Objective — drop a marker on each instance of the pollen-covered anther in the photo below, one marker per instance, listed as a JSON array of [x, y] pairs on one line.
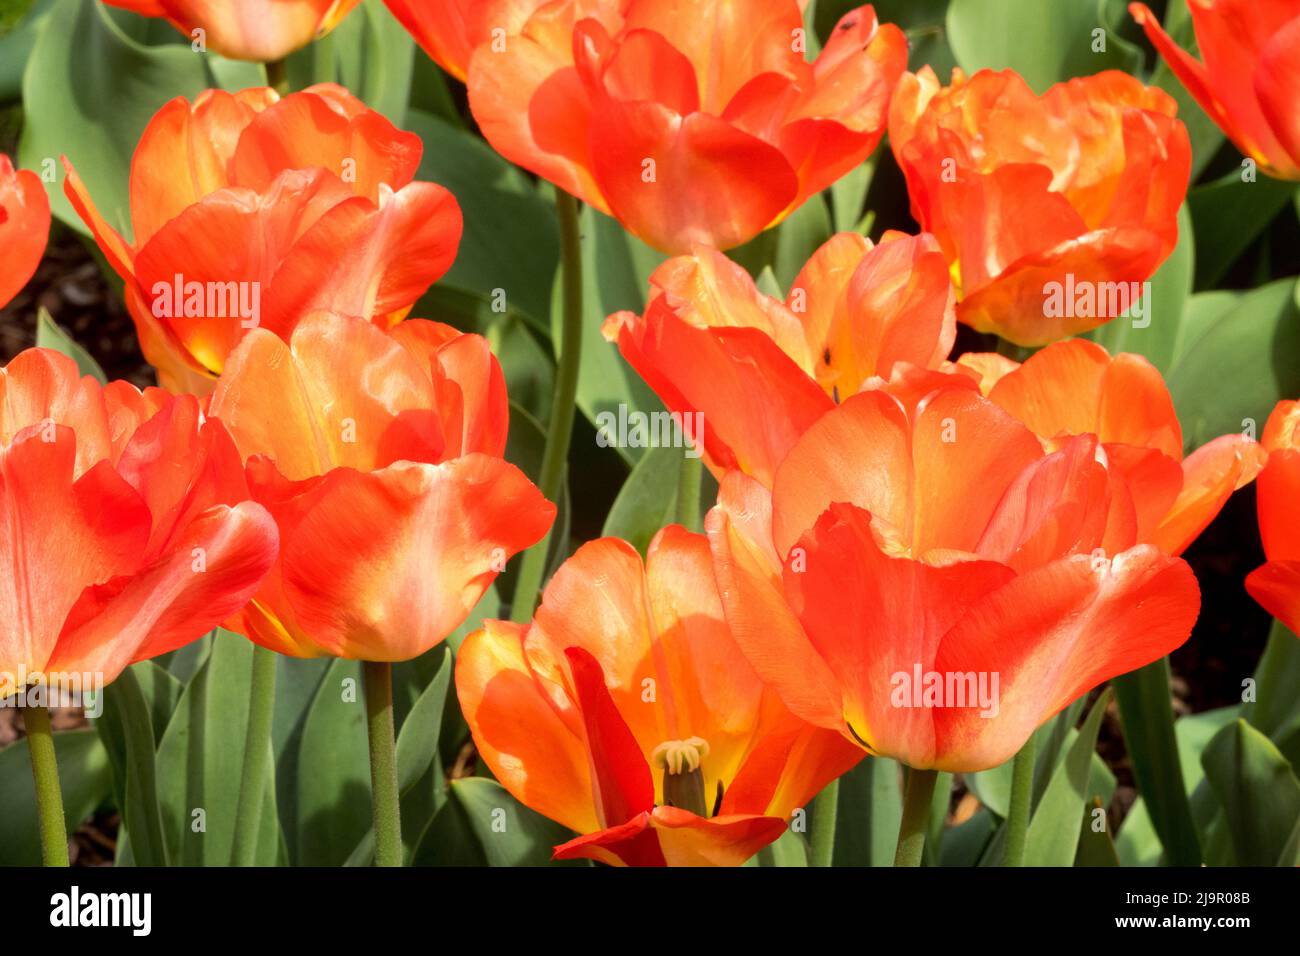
[[672, 756]]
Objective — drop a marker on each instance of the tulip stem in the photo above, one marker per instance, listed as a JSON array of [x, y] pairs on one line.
[[825, 813], [257, 758], [916, 816], [688, 493], [560, 428], [383, 763], [49, 798], [1022, 789], [277, 76]]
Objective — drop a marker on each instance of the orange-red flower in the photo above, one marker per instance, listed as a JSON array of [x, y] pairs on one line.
[[127, 529], [1033, 198], [249, 210], [626, 712], [689, 120], [450, 30], [1249, 81], [24, 227], [1276, 584], [379, 456], [1077, 388], [761, 370], [262, 30], [928, 537]]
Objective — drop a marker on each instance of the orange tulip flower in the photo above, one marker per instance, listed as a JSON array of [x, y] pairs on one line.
[[24, 227], [127, 532], [1077, 388], [262, 30], [251, 210], [925, 579], [1250, 80], [379, 455], [1052, 210], [710, 341], [1276, 584], [626, 712], [691, 122]]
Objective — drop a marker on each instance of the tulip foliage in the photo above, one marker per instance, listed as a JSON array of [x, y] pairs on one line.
[[650, 432]]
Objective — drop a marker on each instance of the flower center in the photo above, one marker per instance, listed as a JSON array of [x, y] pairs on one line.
[[680, 761]]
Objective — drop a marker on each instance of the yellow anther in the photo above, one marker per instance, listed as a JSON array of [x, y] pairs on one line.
[[673, 756]]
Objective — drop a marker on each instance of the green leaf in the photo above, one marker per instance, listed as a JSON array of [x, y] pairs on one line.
[[1138, 844], [1045, 41], [369, 53], [799, 236], [1240, 367], [85, 777], [129, 708], [334, 810], [1228, 215], [1096, 848], [200, 762], [869, 814], [1259, 793], [1054, 828], [297, 681], [1146, 713], [50, 336], [483, 825], [647, 500], [510, 248], [790, 849], [1276, 705], [417, 742], [18, 28], [90, 89], [1156, 335]]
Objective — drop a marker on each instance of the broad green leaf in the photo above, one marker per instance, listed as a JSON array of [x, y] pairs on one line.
[[1236, 371], [334, 810], [1096, 848], [417, 741], [85, 778], [870, 812], [129, 710], [369, 53], [510, 248], [1200, 312], [965, 844], [50, 336], [1276, 705], [200, 762], [1054, 828], [19, 23], [1229, 214], [297, 681], [1045, 41], [1155, 334], [1146, 713], [1258, 790], [790, 849], [647, 500], [89, 90], [1138, 844], [483, 825]]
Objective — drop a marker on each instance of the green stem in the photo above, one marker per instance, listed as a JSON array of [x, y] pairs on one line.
[[825, 812], [383, 763], [916, 817], [257, 758], [560, 428], [688, 493], [1022, 791], [49, 799], [277, 76]]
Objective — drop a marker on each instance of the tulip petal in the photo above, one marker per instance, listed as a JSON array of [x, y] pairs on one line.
[[1278, 491], [24, 227], [1276, 586], [518, 730], [1210, 475], [1277, 84]]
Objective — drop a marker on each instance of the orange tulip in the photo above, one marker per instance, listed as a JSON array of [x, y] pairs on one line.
[[1051, 210], [710, 341], [251, 210], [1276, 584], [626, 712], [24, 227], [1250, 81], [925, 579], [691, 121], [127, 532], [263, 30], [1077, 388], [379, 456]]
